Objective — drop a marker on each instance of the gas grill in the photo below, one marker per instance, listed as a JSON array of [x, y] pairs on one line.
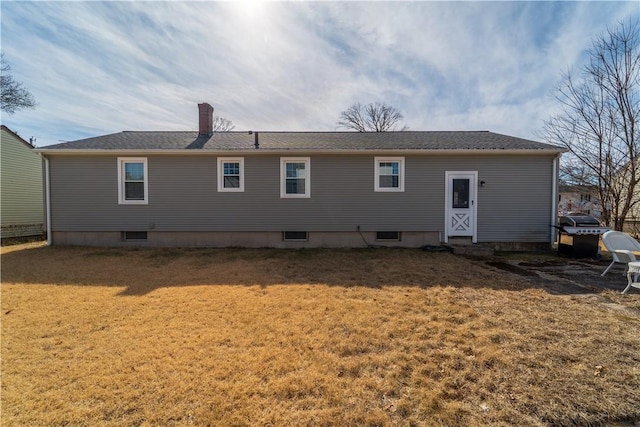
[[579, 236]]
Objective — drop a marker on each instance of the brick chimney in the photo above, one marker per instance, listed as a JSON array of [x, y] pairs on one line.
[[205, 119]]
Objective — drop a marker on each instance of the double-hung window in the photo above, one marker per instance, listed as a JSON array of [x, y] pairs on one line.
[[133, 182], [295, 177], [231, 174], [389, 174]]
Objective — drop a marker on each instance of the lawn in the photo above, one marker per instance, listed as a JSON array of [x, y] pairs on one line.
[[111, 337]]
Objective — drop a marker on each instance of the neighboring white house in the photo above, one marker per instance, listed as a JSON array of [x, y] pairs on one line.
[[21, 187], [632, 220], [579, 198]]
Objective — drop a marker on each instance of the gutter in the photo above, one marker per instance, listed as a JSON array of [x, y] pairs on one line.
[[288, 152], [554, 199], [47, 186]]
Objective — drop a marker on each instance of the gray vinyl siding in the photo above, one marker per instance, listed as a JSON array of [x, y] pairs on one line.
[[515, 204]]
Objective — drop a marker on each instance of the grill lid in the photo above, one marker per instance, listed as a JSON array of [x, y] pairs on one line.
[[579, 221]]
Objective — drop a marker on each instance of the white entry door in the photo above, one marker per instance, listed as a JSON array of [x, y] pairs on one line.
[[460, 211]]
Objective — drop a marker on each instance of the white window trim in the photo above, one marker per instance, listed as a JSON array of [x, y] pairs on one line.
[[283, 177], [221, 162], [121, 193], [376, 183]]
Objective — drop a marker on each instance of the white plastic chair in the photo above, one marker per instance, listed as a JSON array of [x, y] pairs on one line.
[[622, 248], [632, 276]]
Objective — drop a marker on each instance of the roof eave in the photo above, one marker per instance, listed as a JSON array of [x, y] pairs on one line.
[[260, 151]]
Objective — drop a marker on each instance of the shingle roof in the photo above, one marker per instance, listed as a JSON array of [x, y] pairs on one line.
[[306, 141]]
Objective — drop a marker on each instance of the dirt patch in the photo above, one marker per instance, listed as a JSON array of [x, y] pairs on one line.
[[564, 275], [511, 268], [574, 277], [542, 264], [586, 274]]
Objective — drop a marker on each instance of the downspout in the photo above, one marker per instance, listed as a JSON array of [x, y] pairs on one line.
[[47, 186], [554, 199]]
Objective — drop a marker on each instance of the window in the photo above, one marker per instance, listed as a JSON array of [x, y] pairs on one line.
[[300, 236], [138, 236], [388, 235], [295, 177], [231, 174], [461, 194], [389, 174], [132, 181]]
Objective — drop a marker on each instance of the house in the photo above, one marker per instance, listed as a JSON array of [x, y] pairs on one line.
[[623, 181], [579, 198], [21, 187], [301, 189], [632, 221]]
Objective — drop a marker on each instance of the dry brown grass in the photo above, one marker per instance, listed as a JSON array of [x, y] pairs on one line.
[[314, 337]]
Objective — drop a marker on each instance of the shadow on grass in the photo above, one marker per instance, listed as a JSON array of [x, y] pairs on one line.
[[142, 270]]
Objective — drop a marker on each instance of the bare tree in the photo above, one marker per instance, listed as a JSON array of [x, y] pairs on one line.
[[599, 121], [574, 172], [13, 95], [220, 124], [373, 117]]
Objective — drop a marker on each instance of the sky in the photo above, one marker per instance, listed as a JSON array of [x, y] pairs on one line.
[[101, 67]]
